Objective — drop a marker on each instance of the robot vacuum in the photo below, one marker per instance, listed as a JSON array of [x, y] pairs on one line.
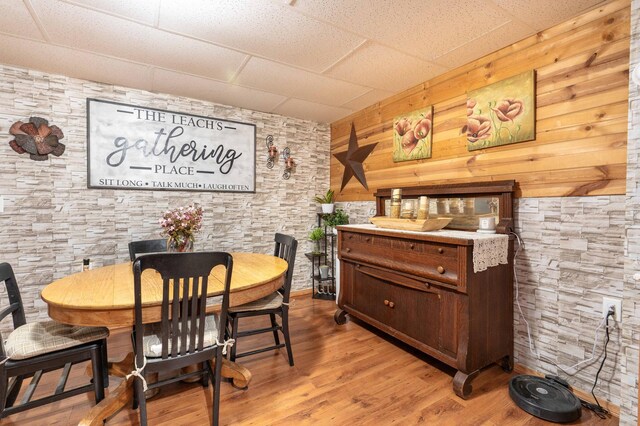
[[548, 398]]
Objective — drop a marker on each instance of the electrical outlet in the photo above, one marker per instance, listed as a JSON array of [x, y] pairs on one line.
[[617, 306]]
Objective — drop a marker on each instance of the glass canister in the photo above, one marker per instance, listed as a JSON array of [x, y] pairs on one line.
[[408, 209], [423, 207], [396, 201]]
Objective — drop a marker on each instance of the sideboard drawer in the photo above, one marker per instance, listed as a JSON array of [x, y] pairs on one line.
[[437, 261]]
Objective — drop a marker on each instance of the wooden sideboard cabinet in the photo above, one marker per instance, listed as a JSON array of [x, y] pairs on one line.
[[421, 288]]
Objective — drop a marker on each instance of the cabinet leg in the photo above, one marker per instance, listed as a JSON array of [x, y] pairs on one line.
[[462, 383], [507, 363], [340, 317]]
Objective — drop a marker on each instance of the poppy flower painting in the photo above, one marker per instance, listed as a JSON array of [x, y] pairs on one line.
[[502, 113], [412, 135]]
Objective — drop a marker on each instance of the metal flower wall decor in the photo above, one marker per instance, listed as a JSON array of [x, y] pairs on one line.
[[37, 138]]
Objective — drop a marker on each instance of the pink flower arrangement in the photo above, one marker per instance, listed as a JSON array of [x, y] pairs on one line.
[[180, 224]]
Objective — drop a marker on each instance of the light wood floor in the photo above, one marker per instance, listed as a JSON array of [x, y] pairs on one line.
[[343, 375]]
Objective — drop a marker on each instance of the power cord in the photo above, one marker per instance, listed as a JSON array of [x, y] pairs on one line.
[[524, 319], [598, 409]]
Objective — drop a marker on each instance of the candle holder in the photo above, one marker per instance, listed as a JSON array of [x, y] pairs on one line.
[[289, 163], [272, 152]]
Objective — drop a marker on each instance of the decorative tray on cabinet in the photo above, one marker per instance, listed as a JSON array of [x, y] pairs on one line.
[[420, 225]]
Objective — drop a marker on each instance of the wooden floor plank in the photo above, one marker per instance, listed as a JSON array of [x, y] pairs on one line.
[[343, 375]]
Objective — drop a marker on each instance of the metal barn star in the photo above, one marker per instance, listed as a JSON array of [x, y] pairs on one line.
[[352, 160]]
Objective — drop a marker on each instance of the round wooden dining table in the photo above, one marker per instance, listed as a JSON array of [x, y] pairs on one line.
[[105, 297]]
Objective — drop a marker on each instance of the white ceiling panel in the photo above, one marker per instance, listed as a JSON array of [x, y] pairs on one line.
[[484, 45], [125, 39], [313, 59], [16, 20], [414, 27], [543, 14], [311, 111], [73, 63], [145, 11], [192, 56], [166, 81], [262, 28], [395, 71], [368, 99], [273, 77]]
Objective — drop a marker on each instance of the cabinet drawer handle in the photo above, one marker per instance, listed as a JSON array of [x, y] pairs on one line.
[[412, 246], [386, 302], [347, 249], [440, 270], [440, 250], [391, 305], [367, 239]]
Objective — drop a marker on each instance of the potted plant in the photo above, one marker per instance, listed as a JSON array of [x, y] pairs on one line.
[[326, 201], [315, 236], [339, 217]]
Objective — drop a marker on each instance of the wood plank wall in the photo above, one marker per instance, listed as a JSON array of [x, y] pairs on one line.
[[582, 77]]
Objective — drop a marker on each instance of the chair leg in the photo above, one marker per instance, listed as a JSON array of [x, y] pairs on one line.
[[216, 386], [142, 402], [285, 332], [98, 372], [7, 400], [105, 363], [234, 336], [275, 331], [205, 375], [4, 384]]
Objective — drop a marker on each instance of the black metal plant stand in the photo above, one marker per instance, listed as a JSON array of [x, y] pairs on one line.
[[324, 288]]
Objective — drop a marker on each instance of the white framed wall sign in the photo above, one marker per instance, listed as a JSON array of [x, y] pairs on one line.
[[135, 147]]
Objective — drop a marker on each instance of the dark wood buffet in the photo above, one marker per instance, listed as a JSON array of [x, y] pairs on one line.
[[421, 288]]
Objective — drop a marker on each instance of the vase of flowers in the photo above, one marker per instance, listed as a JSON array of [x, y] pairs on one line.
[[179, 226]]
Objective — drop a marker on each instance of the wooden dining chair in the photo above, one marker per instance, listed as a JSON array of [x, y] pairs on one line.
[[274, 304], [137, 248], [185, 335], [33, 349]]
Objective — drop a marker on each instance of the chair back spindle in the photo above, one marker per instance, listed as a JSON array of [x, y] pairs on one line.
[[285, 248]]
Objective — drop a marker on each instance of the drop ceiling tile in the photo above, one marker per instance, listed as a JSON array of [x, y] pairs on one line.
[[543, 14], [485, 44], [93, 31], [260, 27], [368, 99], [192, 56], [292, 82], [384, 68], [15, 19], [73, 63], [311, 111], [414, 27], [214, 91], [142, 11]]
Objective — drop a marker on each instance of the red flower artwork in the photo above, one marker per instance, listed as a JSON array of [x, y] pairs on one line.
[[508, 109], [37, 138], [478, 127]]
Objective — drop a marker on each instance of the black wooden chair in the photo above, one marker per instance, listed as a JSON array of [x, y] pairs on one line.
[[34, 349], [186, 335], [275, 303], [146, 246]]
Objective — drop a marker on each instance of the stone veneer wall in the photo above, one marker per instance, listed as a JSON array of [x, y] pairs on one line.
[[52, 221], [631, 290]]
